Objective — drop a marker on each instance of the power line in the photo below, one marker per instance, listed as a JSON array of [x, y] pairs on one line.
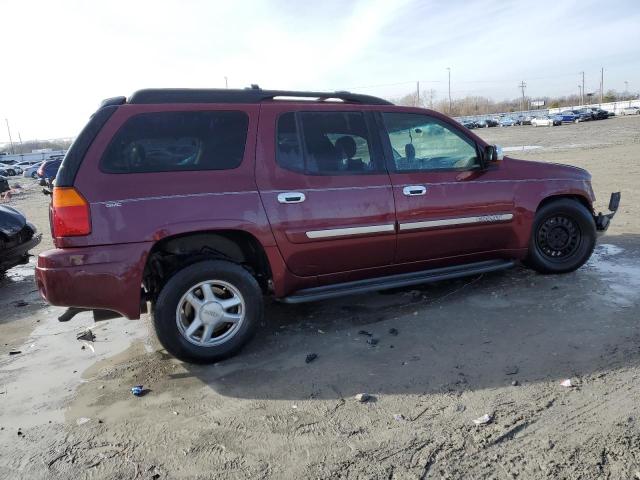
[[522, 86]]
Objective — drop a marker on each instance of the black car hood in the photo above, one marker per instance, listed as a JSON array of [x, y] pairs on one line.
[[11, 221]]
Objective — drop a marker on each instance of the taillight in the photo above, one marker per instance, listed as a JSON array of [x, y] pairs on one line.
[[70, 213], [41, 171]]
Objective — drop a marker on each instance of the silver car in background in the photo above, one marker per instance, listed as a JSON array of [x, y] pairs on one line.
[[630, 111], [546, 121]]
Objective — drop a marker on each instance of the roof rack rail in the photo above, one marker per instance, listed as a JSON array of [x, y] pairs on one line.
[[254, 94]]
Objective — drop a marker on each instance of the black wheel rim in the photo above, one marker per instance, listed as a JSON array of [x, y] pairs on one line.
[[558, 237]]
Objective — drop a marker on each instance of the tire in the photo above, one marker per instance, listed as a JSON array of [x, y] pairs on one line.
[[11, 173], [34, 174], [174, 314], [562, 238]]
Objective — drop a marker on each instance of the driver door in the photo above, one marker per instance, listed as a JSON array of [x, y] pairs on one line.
[[446, 205]]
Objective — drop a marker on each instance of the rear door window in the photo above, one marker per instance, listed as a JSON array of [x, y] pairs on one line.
[[326, 143], [178, 141]]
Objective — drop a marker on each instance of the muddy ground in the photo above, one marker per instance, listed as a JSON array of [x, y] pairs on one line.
[[497, 344]]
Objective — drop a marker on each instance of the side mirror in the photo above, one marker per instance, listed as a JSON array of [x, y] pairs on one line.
[[491, 154]]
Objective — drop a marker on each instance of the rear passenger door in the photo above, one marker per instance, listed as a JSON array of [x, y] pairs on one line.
[[325, 189]]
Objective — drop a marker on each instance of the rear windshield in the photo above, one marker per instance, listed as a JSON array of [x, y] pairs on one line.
[[178, 141]]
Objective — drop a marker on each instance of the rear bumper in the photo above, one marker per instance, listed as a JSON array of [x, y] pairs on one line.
[[103, 277], [604, 220]]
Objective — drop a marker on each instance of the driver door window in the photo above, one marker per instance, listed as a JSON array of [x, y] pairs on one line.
[[421, 143]]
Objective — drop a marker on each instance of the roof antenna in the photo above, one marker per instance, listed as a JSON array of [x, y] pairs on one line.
[[255, 86]]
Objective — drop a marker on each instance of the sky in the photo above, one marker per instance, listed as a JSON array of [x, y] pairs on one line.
[[62, 57]]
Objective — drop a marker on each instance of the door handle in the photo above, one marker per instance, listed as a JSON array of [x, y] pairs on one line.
[[414, 190], [291, 197]]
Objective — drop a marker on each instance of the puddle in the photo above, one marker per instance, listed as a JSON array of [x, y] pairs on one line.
[[521, 148], [621, 276], [31, 398]]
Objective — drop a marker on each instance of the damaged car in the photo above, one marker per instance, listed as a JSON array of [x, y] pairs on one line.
[[182, 201], [17, 237]]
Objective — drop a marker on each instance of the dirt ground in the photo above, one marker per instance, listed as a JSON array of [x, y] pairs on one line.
[[497, 344]]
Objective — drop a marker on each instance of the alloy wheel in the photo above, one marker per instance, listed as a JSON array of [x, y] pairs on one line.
[[210, 313]]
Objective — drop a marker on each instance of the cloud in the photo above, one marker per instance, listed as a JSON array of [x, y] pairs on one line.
[[64, 57]]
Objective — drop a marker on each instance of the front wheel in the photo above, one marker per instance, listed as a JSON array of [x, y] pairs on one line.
[[208, 311], [562, 238]]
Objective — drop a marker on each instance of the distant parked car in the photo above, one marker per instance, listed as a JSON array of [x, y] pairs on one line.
[[9, 170], [32, 171], [48, 170], [524, 120], [583, 115], [546, 121], [507, 122], [630, 111], [598, 113], [470, 124], [486, 122], [17, 237], [28, 163], [569, 117]]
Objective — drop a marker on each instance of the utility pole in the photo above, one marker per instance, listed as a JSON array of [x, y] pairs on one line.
[[522, 86], [418, 93], [226, 82], [449, 70], [601, 84], [582, 94], [626, 89], [21, 146], [9, 130]]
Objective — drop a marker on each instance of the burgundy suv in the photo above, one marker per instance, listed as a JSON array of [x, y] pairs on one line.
[[202, 201]]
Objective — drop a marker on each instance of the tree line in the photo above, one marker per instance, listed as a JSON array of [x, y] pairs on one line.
[[478, 105]]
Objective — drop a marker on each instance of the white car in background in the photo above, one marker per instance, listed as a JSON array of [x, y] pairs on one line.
[[11, 169], [32, 171], [546, 121], [630, 111]]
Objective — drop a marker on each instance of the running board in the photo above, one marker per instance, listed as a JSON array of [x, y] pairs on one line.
[[396, 281]]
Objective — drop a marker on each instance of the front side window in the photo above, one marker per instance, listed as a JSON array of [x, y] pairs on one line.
[[325, 143], [177, 141], [422, 143]]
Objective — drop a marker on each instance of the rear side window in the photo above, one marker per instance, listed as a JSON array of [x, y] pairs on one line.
[[325, 143], [178, 141]]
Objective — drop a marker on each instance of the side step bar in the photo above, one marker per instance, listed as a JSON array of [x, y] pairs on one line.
[[396, 281]]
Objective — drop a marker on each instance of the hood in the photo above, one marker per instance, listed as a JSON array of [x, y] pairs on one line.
[[543, 170], [11, 221]]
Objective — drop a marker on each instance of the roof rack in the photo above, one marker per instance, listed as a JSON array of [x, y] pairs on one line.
[[248, 95]]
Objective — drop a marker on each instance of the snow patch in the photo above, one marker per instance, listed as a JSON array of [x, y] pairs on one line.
[[622, 277]]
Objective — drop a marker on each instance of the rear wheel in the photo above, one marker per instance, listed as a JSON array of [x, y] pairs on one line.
[[208, 311], [563, 237]]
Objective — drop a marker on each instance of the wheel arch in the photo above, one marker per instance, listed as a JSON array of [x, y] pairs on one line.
[[582, 199], [172, 253]]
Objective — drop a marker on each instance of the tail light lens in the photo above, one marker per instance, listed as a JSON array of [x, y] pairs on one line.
[[41, 170], [70, 215]]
